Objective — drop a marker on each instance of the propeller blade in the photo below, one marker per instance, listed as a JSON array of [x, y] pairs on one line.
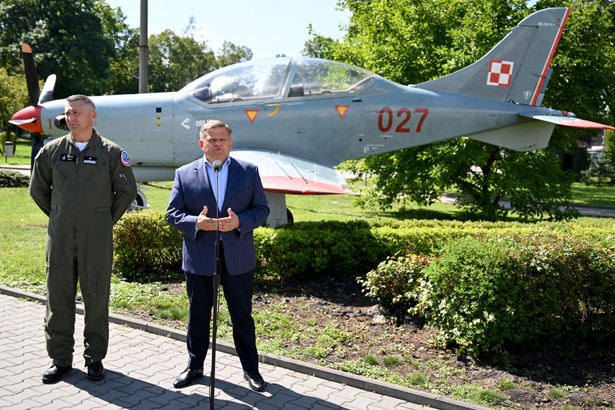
[[31, 76], [47, 93], [22, 122]]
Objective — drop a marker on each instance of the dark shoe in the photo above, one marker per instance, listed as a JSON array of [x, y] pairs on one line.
[[255, 381], [187, 377], [96, 371], [54, 373]]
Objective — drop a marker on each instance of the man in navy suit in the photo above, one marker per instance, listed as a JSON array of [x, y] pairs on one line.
[[236, 186]]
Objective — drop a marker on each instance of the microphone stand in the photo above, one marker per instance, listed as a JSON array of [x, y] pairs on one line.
[[216, 285]]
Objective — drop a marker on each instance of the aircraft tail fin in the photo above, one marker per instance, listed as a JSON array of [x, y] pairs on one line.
[[517, 68]]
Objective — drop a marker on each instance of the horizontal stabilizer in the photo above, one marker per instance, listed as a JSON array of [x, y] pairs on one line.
[[284, 174], [527, 136], [568, 121]]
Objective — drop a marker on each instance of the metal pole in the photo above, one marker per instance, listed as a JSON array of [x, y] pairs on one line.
[[143, 50]]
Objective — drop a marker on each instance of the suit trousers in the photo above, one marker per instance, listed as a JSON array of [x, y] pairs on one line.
[[238, 290]]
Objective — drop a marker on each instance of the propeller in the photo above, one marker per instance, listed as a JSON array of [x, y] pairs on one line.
[[47, 92], [31, 76], [29, 118]]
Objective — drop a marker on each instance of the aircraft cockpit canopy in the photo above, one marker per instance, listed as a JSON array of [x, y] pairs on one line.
[[281, 77]]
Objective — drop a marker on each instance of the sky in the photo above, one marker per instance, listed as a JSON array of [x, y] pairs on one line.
[[268, 27]]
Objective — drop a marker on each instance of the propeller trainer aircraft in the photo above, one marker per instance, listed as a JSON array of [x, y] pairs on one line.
[[299, 118]]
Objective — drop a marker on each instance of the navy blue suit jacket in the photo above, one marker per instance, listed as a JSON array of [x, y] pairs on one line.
[[244, 195]]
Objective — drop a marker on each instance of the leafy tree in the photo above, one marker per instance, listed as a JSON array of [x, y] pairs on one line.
[[609, 145], [91, 49], [409, 42], [124, 69], [75, 39], [484, 175], [602, 163], [318, 46], [231, 54], [176, 60], [13, 96]]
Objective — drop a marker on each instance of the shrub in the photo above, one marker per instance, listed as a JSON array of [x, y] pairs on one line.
[[396, 283], [317, 249], [147, 248], [524, 291], [487, 287], [13, 179], [464, 297]]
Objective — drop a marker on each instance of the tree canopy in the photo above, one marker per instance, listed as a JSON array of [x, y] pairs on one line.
[[76, 39], [89, 46], [410, 42], [91, 49]]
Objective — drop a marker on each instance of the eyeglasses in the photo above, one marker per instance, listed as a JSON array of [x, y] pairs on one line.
[[214, 141]]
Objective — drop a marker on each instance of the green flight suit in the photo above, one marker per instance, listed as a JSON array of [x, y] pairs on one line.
[[84, 193]]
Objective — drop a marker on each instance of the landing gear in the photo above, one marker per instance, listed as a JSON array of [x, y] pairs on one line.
[[279, 215], [140, 201]]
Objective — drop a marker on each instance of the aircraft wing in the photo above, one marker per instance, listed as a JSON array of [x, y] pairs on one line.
[[568, 121], [284, 174]]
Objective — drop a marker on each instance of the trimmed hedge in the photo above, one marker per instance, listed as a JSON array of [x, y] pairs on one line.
[[13, 179], [317, 249], [486, 286], [147, 248]]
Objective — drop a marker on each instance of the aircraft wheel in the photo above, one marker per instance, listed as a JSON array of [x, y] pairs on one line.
[[140, 201]]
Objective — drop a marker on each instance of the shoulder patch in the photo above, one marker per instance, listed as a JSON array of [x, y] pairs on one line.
[[125, 159]]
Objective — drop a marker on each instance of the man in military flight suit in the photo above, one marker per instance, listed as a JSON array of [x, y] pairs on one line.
[[84, 183]]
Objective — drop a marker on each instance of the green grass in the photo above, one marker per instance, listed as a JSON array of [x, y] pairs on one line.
[[23, 151], [477, 394], [22, 266], [592, 195], [506, 384], [23, 232], [418, 379], [23, 226]]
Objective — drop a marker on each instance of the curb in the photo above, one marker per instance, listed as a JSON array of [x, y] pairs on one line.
[[359, 382]]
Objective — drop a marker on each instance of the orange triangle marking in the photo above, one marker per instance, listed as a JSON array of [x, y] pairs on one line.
[[251, 115], [342, 110]]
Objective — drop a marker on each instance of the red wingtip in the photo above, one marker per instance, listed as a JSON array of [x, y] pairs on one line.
[[299, 186]]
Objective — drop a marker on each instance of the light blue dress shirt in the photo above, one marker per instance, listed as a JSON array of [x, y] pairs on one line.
[[222, 178]]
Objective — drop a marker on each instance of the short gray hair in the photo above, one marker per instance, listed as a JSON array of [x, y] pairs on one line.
[[214, 124], [83, 98]]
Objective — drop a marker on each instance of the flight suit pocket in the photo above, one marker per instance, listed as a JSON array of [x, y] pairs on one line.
[[121, 183]]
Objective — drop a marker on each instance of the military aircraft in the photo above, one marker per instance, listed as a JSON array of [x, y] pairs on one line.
[[297, 119]]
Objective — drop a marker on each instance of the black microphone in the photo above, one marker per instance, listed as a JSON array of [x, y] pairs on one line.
[[217, 165]]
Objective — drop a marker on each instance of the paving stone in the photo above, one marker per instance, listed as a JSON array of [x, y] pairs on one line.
[[141, 366]]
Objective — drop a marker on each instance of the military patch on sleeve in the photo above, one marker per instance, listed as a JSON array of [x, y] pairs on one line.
[[125, 159]]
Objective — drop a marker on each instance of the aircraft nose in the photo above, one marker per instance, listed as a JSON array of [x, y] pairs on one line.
[[29, 119]]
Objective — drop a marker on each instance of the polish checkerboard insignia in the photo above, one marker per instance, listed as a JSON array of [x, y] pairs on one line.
[[500, 73]]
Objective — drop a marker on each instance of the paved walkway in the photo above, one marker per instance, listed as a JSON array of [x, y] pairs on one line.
[[144, 359]]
